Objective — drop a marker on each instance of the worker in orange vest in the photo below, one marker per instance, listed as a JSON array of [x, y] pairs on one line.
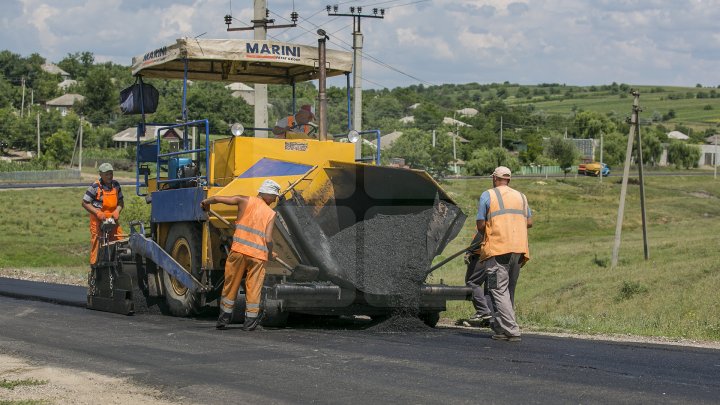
[[503, 218], [104, 201], [251, 248], [298, 126]]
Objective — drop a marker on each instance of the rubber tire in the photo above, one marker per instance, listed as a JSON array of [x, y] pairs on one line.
[[272, 315], [187, 303], [430, 318]]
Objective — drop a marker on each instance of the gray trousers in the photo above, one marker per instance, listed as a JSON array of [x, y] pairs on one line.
[[502, 275], [476, 278]]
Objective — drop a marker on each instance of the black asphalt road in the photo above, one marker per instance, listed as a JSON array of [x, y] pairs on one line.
[[190, 361]]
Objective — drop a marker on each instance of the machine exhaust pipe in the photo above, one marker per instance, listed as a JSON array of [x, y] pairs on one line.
[[447, 292]]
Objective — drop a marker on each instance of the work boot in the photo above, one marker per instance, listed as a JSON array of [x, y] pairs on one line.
[[223, 320], [251, 323], [480, 320], [507, 338]]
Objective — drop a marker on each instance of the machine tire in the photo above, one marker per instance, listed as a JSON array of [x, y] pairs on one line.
[[273, 315], [183, 244], [430, 318]]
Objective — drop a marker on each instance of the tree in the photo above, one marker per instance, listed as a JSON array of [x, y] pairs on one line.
[[59, 147], [415, 146], [652, 148], [484, 161], [562, 150], [683, 155], [100, 96]]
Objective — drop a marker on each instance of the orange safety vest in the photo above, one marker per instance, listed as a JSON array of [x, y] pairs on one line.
[[109, 200], [291, 123], [249, 238], [506, 224]]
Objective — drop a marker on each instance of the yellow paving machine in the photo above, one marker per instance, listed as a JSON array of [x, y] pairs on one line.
[[352, 237]]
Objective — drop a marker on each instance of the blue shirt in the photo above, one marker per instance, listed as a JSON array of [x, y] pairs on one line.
[[484, 206]]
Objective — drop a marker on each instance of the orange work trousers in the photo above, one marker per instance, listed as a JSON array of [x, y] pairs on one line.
[[95, 238], [238, 265]]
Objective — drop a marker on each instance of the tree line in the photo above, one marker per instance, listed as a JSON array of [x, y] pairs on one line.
[[529, 136]]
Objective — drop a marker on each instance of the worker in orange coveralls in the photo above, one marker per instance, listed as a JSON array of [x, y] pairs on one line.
[[251, 248], [104, 201]]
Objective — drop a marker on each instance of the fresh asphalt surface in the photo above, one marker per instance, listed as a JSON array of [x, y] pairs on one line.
[[190, 361]]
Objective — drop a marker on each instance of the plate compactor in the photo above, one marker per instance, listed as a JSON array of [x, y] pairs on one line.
[[109, 288]]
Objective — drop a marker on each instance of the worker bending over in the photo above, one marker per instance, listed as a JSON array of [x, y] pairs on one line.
[[251, 248], [298, 126], [503, 218], [104, 201]]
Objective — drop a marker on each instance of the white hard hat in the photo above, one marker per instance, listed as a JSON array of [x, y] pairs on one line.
[[269, 187]]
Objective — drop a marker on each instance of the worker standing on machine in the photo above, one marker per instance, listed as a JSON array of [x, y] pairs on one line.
[[251, 248], [104, 201], [298, 126]]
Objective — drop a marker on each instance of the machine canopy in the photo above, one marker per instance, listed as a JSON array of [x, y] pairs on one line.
[[249, 61]]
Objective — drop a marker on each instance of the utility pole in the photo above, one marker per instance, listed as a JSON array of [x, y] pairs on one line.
[[715, 158], [601, 157], [261, 23], [457, 132], [37, 120], [626, 175], [357, 15], [22, 105], [80, 152], [322, 93], [433, 138], [501, 129], [642, 188]]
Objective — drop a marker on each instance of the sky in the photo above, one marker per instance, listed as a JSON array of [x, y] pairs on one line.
[[429, 42]]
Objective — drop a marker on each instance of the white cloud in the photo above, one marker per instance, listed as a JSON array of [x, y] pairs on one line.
[[662, 42]]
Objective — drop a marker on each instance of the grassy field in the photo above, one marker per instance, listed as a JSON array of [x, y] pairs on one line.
[[689, 111], [568, 284]]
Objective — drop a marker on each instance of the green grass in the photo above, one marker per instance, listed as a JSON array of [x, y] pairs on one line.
[[689, 111], [569, 285], [49, 228], [12, 384]]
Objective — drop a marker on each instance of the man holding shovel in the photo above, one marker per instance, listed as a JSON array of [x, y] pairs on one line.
[[503, 218], [251, 248]]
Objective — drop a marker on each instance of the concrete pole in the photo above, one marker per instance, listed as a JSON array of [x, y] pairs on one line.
[[716, 156], [357, 84], [501, 129], [322, 93], [261, 94], [601, 167], [455, 151], [623, 188], [22, 105], [80, 145], [37, 120]]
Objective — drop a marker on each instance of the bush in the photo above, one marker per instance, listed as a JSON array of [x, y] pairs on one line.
[[629, 289]]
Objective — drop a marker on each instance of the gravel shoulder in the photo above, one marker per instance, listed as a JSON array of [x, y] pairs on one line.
[[40, 384]]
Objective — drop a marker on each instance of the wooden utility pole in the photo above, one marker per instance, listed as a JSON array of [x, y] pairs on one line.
[[357, 15]]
